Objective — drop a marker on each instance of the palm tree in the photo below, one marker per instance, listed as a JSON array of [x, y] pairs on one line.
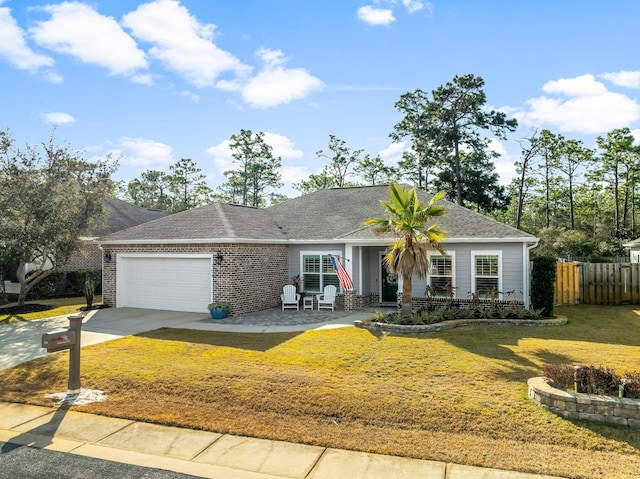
[[407, 219]]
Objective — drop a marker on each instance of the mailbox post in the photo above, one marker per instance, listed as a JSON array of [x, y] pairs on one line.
[[75, 324], [69, 339]]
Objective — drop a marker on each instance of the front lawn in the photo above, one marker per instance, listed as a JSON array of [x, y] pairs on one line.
[[42, 308], [457, 396]]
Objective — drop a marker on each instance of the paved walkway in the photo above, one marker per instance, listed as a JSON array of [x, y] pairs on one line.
[[199, 453], [212, 455]]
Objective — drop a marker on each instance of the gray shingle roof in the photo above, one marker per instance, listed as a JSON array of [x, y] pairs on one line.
[[122, 215], [214, 222], [340, 212], [327, 215]]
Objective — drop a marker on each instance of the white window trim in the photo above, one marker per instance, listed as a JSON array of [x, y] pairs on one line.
[[452, 254], [320, 253], [497, 253]]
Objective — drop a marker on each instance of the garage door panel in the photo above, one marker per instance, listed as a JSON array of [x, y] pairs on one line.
[[170, 283]]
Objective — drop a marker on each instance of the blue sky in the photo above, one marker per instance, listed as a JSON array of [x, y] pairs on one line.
[[161, 80]]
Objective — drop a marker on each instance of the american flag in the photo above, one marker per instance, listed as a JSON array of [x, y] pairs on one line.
[[343, 276]]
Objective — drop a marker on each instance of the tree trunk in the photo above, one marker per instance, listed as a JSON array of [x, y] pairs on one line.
[[572, 223], [458, 169], [24, 287], [407, 286], [547, 209]]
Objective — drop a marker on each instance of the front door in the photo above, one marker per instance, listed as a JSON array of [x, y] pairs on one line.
[[389, 284]]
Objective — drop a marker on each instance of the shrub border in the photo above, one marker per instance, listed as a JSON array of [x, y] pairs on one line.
[[588, 407], [455, 323]]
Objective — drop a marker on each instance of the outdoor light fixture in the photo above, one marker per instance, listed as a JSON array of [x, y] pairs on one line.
[[107, 257], [218, 258]]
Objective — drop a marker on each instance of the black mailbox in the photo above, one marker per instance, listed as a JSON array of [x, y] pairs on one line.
[[59, 340]]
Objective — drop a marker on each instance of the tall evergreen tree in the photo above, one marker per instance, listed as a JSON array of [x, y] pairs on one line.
[[452, 119], [188, 186], [257, 173]]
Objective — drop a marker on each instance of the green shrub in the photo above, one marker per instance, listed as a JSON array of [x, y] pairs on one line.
[[543, 277], [49, 287]]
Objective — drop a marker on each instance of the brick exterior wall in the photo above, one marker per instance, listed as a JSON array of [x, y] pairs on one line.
[[250, 277], [89, 257]]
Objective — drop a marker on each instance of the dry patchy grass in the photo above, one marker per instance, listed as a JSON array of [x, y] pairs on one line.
[[457, 396]]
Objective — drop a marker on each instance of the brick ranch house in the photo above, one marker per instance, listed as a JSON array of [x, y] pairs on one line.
[[245, 255]]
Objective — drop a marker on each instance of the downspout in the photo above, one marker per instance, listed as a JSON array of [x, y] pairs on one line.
[[526, 269]]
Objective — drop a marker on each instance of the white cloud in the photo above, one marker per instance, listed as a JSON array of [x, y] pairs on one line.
[[52, 77], [636, 135], [627, 79], [222, 155], [142, 79], [413, 5], [59, 118], [194, 97], [13, 46], [376, 16], [294, 174], [393, 153], [584, 85], [144, 152], [505, 164], [583, 105], [282, 146], [78, 30], [276, 85], [181, 43]]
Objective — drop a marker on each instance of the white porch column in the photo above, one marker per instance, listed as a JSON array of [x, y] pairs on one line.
[[360, 248]]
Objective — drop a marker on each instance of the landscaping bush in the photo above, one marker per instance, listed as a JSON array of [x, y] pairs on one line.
[[50, 287], [437, 313], [592, 380], [561, 374], [543, 276], [599, 380], [632, 385]]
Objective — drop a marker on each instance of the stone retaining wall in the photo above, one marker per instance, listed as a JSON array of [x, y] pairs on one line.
[[589, 407], [455, 323]]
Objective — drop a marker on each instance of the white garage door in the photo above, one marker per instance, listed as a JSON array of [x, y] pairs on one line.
[[174, 283]]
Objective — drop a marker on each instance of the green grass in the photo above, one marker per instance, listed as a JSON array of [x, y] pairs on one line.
[[458, 396], [58, 307]]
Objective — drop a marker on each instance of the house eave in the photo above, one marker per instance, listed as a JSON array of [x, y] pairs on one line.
[[192, 241], [358, 242], [528, 240]]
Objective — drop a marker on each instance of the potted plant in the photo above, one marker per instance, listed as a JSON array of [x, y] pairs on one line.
[[219, 309]]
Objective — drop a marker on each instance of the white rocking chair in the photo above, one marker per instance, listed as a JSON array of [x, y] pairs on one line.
[[290, 299], [327, 300]]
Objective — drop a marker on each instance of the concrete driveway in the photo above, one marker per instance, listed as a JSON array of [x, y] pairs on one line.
[[20, 342]]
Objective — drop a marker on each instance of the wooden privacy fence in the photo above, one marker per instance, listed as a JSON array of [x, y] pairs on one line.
[[597, 283], [567, 283]]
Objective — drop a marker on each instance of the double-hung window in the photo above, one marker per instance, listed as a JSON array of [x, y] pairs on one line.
[[487, 273], [318, 271], [441, 274]]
